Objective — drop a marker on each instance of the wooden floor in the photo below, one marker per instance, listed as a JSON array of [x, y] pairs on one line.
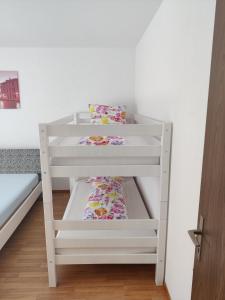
[[23, 271]]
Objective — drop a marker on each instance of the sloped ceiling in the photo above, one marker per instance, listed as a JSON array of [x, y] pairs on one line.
[[74, 23]]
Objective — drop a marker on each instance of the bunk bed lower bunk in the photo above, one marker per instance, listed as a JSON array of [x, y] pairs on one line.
[[90, 245], [136, 240]]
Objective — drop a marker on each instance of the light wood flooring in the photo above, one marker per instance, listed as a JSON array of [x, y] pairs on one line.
[[23, 271]]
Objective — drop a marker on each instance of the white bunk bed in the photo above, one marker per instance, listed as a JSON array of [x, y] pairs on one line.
[[136, 240]]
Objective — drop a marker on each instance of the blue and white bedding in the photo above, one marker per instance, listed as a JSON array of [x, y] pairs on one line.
[[14, 188]]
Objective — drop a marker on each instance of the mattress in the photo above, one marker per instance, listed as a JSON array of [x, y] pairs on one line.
[[14, 190], [135, 209]]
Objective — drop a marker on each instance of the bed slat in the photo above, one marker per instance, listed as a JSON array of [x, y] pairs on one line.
[[106, 259], [106, 151], [88, 130], [145, 224], [112, 170], [106, 242]]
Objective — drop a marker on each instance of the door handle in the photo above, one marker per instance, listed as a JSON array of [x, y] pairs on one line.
[[194, 233], [196, 236]]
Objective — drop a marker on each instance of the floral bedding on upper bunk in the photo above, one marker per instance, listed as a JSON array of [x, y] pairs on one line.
[[102, 140], [106, 200], [107, 114]]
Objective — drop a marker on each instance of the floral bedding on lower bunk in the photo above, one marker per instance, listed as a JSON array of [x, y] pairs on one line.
[[106, 200]]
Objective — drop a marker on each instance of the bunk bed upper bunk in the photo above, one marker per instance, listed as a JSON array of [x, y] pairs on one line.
[[139, 156]]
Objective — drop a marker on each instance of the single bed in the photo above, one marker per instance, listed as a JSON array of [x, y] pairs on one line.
[[14, 189], [19, 191]]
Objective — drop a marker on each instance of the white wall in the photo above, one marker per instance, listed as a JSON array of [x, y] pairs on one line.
[[58, 81], [172, 78]]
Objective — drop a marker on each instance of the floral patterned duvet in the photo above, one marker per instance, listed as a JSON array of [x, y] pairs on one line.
[[106, 200]]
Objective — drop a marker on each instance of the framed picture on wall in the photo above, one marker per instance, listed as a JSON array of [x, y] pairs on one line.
[[9, 90]]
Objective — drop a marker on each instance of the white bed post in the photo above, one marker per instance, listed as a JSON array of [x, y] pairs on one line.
[[164, 197], [73, 180], [48, 205]]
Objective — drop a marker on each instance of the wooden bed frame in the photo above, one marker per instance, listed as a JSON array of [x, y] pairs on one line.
[[19, 161], [63, 160]]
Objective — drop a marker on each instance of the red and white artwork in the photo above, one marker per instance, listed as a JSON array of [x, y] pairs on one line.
[[9, 90]]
